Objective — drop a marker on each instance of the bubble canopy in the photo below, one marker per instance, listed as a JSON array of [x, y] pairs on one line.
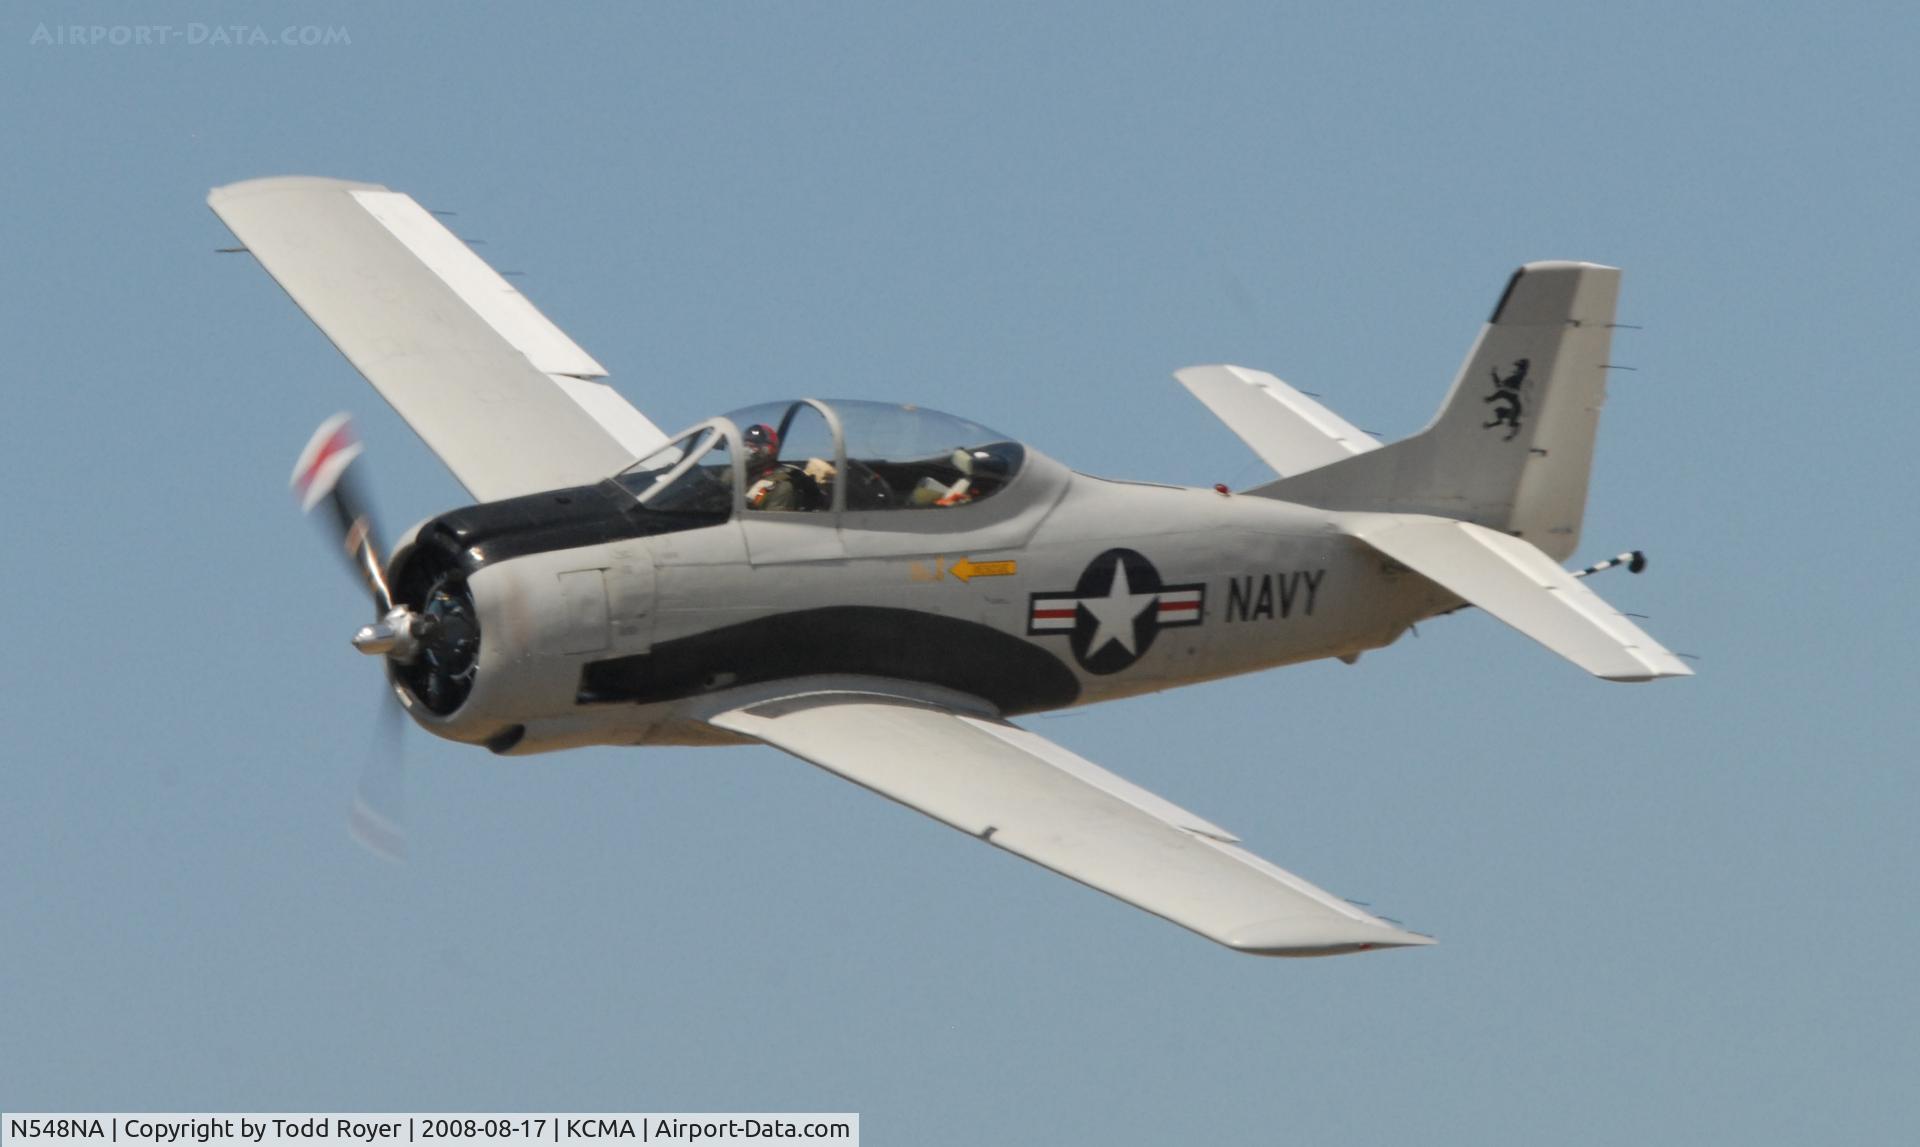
[[814, 455]]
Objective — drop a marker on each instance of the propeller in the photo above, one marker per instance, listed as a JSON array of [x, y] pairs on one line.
[[377, 818], [323, 476]]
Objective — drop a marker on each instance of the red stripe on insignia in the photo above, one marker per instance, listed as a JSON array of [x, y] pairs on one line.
[[1042, 614], [1178, 606]]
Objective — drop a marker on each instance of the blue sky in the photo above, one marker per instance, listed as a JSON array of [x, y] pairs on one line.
[[1671, 913]]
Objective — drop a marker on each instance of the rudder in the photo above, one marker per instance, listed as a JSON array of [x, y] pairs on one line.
[[1512, 446]]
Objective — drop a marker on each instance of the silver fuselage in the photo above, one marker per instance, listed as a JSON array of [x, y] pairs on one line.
[[633, 641]]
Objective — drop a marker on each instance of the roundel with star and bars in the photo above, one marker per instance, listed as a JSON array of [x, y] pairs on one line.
[[1112, 616]]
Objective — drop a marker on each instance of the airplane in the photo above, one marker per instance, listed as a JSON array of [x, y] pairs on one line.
[[879, 589]]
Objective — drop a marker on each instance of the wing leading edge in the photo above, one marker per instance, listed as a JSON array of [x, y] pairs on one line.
[[1022, 793], [504, 397]]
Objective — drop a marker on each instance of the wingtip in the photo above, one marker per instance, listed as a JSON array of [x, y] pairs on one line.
[[1297, 937], [1667, 667], [218, 195]]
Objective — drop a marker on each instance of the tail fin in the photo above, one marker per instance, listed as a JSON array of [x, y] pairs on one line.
[[1512, 446]]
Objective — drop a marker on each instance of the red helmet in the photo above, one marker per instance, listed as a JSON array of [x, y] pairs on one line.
[[763, 444]]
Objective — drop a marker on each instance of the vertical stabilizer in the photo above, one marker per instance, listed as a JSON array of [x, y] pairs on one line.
[[1512, 446]]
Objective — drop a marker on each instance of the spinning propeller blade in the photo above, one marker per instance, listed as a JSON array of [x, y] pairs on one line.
[[324, 476], [377, 818]]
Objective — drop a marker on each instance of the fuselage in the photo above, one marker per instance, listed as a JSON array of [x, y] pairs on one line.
[[604, 622]]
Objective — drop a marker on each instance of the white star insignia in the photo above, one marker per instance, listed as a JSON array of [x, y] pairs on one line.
[[1114, 614]]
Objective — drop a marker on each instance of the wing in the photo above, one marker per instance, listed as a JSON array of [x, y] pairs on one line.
[[1517, 583], [507, 401], [1291, 432], [1025, 794]]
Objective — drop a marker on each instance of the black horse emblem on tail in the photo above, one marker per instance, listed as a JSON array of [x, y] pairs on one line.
[[1506, 392]]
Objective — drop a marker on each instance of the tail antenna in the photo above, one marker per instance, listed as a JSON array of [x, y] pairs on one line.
[[1634, 560]]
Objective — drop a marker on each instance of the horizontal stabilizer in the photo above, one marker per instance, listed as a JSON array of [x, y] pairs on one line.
[[1289, 431], [1515, 582]]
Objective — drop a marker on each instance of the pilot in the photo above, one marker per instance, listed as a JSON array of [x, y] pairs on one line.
[[769, 486]]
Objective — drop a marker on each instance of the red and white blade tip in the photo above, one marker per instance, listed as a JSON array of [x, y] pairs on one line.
[[329, 452]]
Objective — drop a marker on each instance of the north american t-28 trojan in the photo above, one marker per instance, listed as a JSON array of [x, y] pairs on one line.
[[877, 589]]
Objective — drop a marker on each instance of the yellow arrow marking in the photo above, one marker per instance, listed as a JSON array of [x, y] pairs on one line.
[[966, 569]]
